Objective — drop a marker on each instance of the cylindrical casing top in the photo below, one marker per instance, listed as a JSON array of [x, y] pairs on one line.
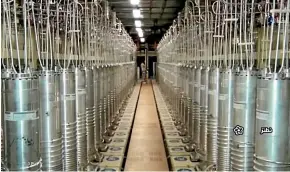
[[190, 82], [80, 78], [20, 92], [80, 91], [197, 80], [68, 97], [97, 84], [193, 82], [89, 87], [245, 84], [213, 91], [226, 98], [204, 81]]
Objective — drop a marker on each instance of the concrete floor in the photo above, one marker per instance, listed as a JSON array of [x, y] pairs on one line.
[[146, 148]]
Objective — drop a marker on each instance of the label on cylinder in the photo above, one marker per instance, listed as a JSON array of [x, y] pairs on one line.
[[239, 106], [262, 116], [202, 87], [211, 92], [82, 91], [20, 116], [68, 97], [222, 96]]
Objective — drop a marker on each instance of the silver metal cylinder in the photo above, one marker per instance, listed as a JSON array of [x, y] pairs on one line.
[[242, 147], [21, 125], [80, 82], [98, 103], [196, 106], [272, 125], [2, 123], [225, 124], [189, 104], [109, 86], [212, 120], [191, 75], [114, 96], [90, 114], [50, 121], [68, 119], [194, 103], [104, 89], [204, 81]]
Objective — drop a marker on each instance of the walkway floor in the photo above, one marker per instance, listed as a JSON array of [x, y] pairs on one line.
[[146, 149]]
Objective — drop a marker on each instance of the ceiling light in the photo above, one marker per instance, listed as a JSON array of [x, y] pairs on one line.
[[138, 23], [140, 34], [136, 13], [139, 29], [135, 2], [142, 39]]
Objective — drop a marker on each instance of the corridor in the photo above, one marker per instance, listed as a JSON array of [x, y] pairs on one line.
[[146, 147]]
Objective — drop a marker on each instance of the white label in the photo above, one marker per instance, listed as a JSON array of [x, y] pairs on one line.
[[18, 116], [262, 116], [202, 87], [196, 85], [239, 106], [69, 97], [211, 92], [222, 96], [82, 91]]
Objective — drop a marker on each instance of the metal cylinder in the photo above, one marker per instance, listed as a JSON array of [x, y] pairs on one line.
[[224, 130], [101, 96], [114, 96], [190, 146], [2, 122], [212, 120], [21, 125], [109, 86], [196, 105], [193, 107], [204, 81], [97, 102], [189, 104], [272, 125], [90, 114], [104, 89], [80, 82], [114, 115], [68, 119], [242, 146], [50, 121]]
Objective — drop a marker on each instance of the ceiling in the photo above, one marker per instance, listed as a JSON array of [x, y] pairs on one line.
[[158, 15]]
